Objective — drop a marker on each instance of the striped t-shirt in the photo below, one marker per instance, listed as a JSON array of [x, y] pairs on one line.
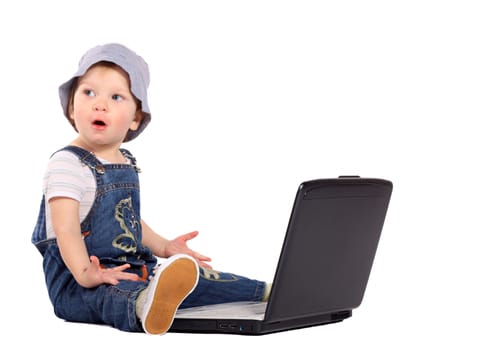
[[66, 176]]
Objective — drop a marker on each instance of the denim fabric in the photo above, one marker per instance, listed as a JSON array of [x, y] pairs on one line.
[[112, 232], [216, 287]]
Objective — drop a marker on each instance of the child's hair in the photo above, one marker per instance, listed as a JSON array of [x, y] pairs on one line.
[[75, 84]]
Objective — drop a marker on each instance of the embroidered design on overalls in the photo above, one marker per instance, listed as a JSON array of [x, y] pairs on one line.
[[213, 275], [124, 214]]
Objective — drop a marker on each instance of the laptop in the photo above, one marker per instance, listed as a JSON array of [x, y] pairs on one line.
[[324, 264]]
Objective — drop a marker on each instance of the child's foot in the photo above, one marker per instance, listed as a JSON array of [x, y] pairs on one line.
[[267, 292], [173, 281]]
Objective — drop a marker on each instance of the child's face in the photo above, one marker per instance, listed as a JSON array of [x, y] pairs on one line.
[[104, 108]]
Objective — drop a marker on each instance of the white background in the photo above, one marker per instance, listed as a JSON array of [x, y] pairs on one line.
[[249, 98]]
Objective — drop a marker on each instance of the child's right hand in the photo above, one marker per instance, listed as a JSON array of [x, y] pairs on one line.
[[101, 275]]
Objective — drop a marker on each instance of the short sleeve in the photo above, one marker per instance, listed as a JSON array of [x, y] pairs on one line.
[[65, 177]]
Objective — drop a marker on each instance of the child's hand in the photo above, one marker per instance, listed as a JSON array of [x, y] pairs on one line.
[[179, 246], [109, 275]]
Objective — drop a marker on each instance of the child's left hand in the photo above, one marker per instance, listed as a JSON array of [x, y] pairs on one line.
[[179, 246]]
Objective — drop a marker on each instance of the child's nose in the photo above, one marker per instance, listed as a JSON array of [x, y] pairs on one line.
[[99, 106]]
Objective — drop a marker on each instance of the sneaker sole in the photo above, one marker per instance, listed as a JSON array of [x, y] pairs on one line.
[[175, 282]]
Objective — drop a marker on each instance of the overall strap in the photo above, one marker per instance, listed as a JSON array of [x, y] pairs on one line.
[[86, 157], [131, 158]]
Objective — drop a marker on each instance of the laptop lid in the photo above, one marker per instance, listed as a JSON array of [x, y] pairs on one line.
[[329, 247], [325, 260]]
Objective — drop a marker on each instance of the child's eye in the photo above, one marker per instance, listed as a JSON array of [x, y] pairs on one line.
[[117, 97], [89, 92]]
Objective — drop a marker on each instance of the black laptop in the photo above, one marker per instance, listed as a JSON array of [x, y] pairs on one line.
[[324, 265]]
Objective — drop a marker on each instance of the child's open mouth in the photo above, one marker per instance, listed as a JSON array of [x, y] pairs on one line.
[[99, 124]]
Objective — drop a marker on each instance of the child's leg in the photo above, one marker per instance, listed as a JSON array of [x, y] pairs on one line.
[[215, 287], [106, 304]]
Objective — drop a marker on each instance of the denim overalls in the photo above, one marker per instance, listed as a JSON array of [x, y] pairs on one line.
[[112, 232]]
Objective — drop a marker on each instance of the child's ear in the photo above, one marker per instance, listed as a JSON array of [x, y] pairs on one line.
[[71, 117], [138, 118]]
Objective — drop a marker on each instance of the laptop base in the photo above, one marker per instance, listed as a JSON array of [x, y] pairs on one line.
[[253, 327]]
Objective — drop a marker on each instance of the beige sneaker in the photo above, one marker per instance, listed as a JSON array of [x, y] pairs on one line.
[[173, 281]]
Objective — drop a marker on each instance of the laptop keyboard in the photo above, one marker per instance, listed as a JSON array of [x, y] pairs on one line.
[[239, 310]]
